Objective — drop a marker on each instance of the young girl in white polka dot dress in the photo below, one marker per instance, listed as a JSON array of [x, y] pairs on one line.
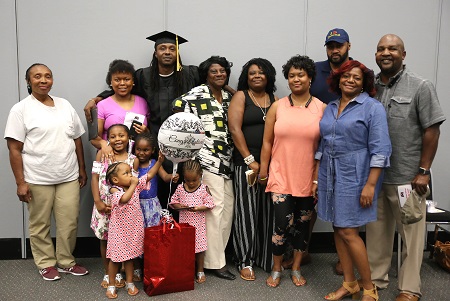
[[193, 199]]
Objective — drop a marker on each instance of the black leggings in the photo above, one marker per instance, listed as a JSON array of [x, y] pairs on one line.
[[292, 218]]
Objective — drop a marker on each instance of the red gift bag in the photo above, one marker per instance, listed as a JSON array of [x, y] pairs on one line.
[[169, 258]]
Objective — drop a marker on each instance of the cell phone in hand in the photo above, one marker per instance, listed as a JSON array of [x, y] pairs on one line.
[[133, 133]]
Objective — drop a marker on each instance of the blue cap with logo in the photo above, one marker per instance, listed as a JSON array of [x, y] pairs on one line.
[[337, 35]]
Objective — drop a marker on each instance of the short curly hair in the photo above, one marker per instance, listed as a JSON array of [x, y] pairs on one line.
[[368, 77], [268, 70], [203, 68], [119, 66], [300, 62]]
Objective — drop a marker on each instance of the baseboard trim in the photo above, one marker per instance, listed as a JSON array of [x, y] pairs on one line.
[[11, 248]]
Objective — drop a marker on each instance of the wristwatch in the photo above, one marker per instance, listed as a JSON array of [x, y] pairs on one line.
[[423, 171]]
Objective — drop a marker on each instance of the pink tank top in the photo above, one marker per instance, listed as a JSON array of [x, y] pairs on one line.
[[296, 138]]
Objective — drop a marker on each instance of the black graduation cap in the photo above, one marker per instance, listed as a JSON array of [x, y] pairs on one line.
[[169, 37], [166, 37]]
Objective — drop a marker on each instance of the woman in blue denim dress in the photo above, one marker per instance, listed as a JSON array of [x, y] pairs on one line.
[[354, 149]]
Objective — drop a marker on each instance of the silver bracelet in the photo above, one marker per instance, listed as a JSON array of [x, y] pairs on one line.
[[249, 159]]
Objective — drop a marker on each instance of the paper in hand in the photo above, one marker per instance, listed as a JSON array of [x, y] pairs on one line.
[[403, 193]]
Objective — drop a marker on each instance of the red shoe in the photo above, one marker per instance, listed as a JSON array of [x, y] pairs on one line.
[[76, 270], [50, 274]]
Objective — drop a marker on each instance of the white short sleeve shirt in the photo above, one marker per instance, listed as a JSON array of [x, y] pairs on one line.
[[48, 135]]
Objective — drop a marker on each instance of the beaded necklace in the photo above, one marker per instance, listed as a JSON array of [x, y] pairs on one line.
[[306, 105]]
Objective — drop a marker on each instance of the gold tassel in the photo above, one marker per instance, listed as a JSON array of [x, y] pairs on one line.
[[179, 67]]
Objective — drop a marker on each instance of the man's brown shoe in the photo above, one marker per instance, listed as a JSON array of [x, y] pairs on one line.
[[406, 297]]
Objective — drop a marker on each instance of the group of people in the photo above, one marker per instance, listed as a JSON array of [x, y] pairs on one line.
[[336, 147]]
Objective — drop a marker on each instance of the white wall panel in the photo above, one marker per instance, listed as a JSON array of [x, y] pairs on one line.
[[78, 40], [441, 165], [240, 30], [11, 207]]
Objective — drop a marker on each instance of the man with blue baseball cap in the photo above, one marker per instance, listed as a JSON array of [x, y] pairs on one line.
[[337, 45]]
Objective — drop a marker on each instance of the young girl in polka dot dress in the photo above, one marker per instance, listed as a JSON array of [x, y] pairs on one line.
[[126, 224], [194, 199]]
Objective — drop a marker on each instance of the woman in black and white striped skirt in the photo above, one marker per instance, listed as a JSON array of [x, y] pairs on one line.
[[253, 212]]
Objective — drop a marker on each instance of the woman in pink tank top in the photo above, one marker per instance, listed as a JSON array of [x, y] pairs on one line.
[[291, 138]]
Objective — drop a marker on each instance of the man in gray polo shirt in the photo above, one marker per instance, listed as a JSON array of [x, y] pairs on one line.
[[414, 116]]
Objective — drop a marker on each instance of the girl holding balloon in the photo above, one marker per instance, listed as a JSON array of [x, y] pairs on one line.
[[148, 198], [150, 205]]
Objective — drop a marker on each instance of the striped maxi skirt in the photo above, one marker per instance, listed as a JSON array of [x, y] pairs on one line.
[[253, 223]]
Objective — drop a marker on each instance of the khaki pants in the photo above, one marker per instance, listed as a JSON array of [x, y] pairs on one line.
[[380, 239], [64, 200], [218, 220]]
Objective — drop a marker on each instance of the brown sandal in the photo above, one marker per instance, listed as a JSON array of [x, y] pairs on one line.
[[105, 281], [352, 289], [301, 281], [201, 278], [119, 282], [373, 293], [111, 292], [137, 275], [252, 273], [132, 290], [275, 275]]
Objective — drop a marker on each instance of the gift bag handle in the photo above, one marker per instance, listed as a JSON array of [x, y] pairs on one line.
[[172, 225], [167, 219]]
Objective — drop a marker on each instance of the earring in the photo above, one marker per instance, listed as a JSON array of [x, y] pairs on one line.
[[362, 90], [28, 87], [310, 83]]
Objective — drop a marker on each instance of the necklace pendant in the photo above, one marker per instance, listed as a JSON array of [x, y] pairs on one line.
[[264, 118]]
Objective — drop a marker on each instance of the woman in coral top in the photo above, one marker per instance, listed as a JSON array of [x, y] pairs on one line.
[[291, 138]]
